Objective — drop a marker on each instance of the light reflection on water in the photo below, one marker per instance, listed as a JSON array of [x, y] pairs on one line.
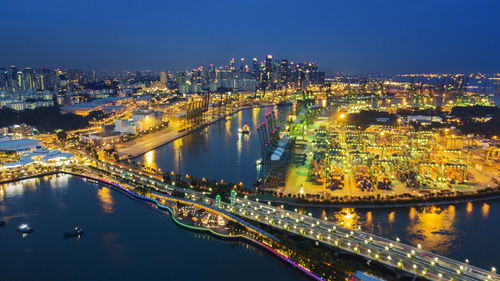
[[444, 229], [112, 242], [434, 228], [218, 151], [106, 200], [149, 159], [485, 210], [347, 217]]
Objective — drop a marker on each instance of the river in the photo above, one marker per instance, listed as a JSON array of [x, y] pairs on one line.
[[124, 239], [216, 152]]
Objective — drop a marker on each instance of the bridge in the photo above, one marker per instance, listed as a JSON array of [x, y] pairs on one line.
[[393, 254]]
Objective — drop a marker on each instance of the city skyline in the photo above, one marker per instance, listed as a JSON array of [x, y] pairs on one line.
[[250, 140], [353, 38]]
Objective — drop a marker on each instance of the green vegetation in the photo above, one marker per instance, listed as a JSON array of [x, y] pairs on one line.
[[47, 119], [328, 263], [365, 118], [471, 116]]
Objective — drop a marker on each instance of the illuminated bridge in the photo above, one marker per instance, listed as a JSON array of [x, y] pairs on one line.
[[393, 254]]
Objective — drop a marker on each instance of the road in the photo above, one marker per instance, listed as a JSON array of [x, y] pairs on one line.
[[392, 253], [395, 254]]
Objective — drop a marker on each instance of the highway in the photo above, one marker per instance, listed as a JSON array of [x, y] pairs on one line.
[[392, 253], [413, 260]]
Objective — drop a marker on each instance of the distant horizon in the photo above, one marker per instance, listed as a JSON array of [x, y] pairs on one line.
[[237, 64], [349, 36]]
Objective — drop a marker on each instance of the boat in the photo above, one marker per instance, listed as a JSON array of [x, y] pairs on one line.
[[77, 232], [24, 228], [245, 129], [258, 162], [258, 182]]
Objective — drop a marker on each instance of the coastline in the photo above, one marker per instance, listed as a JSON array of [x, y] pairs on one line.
[[415, 203], [200, 229], [495, 195], [122, 188]]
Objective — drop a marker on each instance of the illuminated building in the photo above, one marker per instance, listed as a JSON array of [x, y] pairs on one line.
[[218, 201], [233, 197]]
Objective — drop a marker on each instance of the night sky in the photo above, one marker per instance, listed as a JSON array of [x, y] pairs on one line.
[[352, 36]]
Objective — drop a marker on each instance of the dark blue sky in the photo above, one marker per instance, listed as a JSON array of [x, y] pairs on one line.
[[353, 36]]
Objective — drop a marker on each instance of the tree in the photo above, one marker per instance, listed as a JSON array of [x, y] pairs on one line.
[[61, 135]]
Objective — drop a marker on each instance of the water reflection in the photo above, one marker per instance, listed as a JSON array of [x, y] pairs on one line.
[[216, 152], [369, 226], [413, 214], [469, 209], [177, 159], [347, 217], [434, 228], [228, 128], [390, 218], [149, 159], [104, 196], [238, 147], [255, 116], [60, 181], [485, 210], [16, 188]]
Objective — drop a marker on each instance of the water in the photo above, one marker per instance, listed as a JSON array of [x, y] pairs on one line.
[[459, 231], [216, 152], [124, 239]]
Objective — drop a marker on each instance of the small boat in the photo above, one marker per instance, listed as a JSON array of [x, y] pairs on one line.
[[258, 182], [24, 228], [245, 129], [258, 162], [2, 223], [77, 232]]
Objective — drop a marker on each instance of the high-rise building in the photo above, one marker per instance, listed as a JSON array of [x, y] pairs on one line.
[[163, 78], [269, 67], [284, 71], [242, 64], [231, 64], [13, 72], [255, 65]]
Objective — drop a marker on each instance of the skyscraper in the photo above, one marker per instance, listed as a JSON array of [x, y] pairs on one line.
[[284, 71], [255, 65], [231, 64], [163, 78], [242, 64], [269, 67], [13, 72]]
